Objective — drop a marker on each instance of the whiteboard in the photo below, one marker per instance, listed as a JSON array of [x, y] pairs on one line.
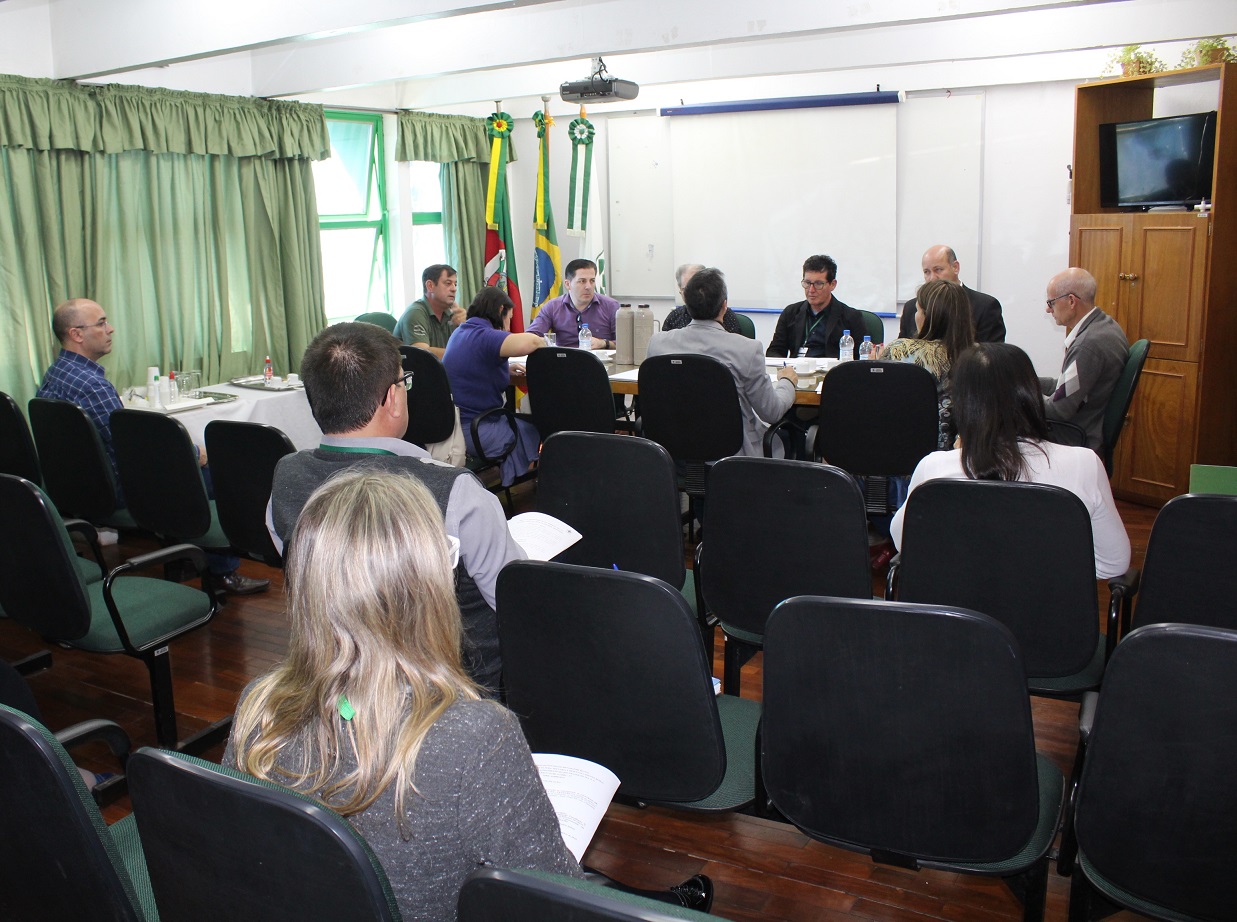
[[755, 193]]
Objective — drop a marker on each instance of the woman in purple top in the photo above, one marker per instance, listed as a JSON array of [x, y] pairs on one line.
[[476, 363]]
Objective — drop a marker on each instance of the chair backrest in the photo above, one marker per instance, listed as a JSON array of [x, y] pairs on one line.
[[242, 465], [500, 894], [779, 529], [638, 527], [569, 390], [690, 406], [57, 858], [1063, 432], [159, 472], [1157, 804], [40, 587], [1020, 552], [873, 326], [1122, 396], [220, 844], [746, 325], [1185, 577], [17, 454], [77, 472], [431, 408], [1213, 478], [609, 666], [877, 418], [378, 318], [903, 729]]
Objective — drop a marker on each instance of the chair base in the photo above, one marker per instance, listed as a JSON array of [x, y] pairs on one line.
[[35, 662]]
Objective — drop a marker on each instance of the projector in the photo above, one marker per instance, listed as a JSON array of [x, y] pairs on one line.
[[598, 89]]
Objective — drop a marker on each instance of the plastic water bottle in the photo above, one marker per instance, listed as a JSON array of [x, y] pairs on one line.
[[154, 393], [865, 349], [846, 347], [268, 370], [586, 337]]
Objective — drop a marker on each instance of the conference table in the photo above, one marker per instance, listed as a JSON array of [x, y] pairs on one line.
[[286, 409]]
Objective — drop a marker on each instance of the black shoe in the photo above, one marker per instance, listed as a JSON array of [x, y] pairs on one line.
[[235, 584], [695, 893]]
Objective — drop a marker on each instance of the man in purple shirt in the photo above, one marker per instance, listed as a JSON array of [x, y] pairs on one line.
[[580, 305]]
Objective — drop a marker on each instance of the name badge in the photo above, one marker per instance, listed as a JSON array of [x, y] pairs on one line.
[[803, 351]]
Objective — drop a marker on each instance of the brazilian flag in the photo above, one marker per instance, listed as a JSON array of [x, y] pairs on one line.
[[548, 260]]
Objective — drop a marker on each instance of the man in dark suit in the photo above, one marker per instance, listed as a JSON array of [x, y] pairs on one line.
[[940, 262], [813, 326]]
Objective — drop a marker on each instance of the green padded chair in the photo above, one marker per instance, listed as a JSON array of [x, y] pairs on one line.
[[609, 666], [746, 326], [58, 858], [499, 894], [224, 845], [378, 319], [875, 327], [42, 589], [1119, 401]]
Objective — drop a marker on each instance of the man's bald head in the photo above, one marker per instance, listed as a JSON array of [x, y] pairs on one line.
[[81, 326], [1071, 295], [940, 262]]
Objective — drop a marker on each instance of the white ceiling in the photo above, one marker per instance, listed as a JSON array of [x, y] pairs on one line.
[[460, 55]]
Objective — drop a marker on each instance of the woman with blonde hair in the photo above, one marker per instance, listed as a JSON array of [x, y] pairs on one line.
[[372, 712]]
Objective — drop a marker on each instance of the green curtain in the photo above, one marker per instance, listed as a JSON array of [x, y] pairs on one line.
[[190, 218], [460, 144]]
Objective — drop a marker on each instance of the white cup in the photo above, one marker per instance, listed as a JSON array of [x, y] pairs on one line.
[[152, 372], [805, 366], [293, 378]]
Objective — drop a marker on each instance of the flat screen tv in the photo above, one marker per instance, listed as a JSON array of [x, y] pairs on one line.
[[1160, 161]]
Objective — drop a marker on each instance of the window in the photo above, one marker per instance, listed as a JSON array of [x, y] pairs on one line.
[[428, 244], [352, 217]]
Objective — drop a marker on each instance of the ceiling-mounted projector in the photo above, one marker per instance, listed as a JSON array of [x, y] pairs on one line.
[[600, 87]]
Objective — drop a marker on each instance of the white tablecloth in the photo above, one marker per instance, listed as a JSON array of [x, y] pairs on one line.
[[286, 410]]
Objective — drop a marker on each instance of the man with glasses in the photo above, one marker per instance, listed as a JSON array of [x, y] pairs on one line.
[[812, 327], [76, 376], [580, 305], [940, 262], [358, 392], [1096, 349], [680, 317]]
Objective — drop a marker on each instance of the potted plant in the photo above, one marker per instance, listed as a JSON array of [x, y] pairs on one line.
[[1134, 62], [1214, 50]]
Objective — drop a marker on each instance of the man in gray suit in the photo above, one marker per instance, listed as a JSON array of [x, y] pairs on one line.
[[1096, 350], [761, 400]]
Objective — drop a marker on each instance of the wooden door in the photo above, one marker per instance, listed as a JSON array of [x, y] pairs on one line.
[[1165, 284], [1153, 455]]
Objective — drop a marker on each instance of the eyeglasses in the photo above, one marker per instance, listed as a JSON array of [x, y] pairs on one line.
[[90, 326], [814, 286], [579, 322], [1052, 301], [406, 380]]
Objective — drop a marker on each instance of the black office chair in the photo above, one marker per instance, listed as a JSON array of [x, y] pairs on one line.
[[162, 480], [972, 543], [904, 732], [17, 453], [689, 404], [41, 589], [58, 858], [1063, 432], [876, 421], [1121, 398], [242, 465], [608, 666], [777, 529], [499, 895], [1157, 804], [378, 318], [431, 408], [224, 845], [77, 472], [569, 390], [638, 527]]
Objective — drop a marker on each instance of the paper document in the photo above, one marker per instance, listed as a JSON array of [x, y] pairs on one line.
[[542, 536], [631, 375], [580, 792]]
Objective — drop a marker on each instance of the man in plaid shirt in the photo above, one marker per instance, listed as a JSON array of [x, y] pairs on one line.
[[76, 376]]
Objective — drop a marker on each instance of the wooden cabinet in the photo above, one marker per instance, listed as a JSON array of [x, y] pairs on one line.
[[1171, 278]]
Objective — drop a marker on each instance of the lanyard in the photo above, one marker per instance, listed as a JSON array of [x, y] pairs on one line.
[[356, 449]]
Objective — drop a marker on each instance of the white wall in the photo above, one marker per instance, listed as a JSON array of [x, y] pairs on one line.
[[25, 38]]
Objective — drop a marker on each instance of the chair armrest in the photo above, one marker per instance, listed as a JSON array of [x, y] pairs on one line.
[[706, 619], [194, 555], [91, 536], [1122, 590], [1086, 715], [476, 439], [891, 578], [90, 730]]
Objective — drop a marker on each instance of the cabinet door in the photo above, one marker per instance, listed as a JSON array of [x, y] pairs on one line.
[[1100, 244], [1168, 258], [1153, 455]]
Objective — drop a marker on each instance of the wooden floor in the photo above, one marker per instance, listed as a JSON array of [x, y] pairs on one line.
[[761, 869]]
